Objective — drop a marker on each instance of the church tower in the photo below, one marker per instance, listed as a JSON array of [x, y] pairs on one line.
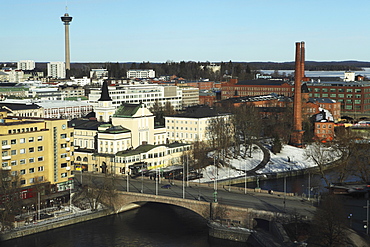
[[105, 109]]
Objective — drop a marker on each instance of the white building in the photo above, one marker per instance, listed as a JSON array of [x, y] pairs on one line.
[[192, 125], [141, 93], [81, 81], [56, 70], [140, 73], [64, 108], [99, 73], [11, 75], [26, 65], [349, 76]]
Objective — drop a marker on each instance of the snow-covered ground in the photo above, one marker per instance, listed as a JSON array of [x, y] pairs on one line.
[[290, 157]]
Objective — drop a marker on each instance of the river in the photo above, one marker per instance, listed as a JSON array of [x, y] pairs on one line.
[[150, 226]]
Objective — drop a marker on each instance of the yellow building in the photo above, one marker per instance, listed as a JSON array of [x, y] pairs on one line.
[[37, 150]]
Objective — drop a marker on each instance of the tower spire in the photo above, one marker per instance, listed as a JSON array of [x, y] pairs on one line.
[[104, 96]]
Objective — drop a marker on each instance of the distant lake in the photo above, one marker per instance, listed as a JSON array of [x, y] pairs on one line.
[[365, 72]]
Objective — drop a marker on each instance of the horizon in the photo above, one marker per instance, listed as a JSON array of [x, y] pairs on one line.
[[160, 31]]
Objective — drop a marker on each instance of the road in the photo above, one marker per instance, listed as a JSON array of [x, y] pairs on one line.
[[260, 201]]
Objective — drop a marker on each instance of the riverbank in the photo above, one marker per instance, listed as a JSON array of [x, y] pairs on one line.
[[70, 218]]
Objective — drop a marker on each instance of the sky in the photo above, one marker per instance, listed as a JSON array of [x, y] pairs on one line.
[[191, 30]]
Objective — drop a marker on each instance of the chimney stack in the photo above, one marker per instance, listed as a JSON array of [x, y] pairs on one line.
[[297, 135]]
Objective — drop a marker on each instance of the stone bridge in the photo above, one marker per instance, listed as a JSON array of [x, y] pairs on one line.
[[225, 214]]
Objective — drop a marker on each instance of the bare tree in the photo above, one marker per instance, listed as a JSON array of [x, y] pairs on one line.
[[97, 191], [247, 126], [323, 155], [220, 137], [329, 224], [10, 198], [199, 154]]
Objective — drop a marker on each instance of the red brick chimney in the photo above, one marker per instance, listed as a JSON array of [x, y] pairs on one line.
[[297, 135]]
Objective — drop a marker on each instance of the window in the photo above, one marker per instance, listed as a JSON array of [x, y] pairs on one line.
[[40, 168], [40, 138], [63, 145], [22, 151], [22, 140], [64, 175], [5, 164], [31, 160], [13, 152], [41, 158], [63, 136], [14, 141], [22, 161], [63, 165], [31, 150], [31, 139], [40, 148], [23, 182], [31, 170], [41, 178], [32, 180], [13, 162], [4, 142], [63, 155], [23, 171], [4, 153]]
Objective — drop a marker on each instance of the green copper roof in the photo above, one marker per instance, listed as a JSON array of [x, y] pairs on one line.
[[127, 110], [115, 130], [140, 149]]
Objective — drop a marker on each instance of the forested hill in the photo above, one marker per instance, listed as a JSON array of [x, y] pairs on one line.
[[196, 70]]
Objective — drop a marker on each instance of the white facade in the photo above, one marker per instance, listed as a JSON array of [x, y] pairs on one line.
[[145, 93], [81, 81], [99, 73], [65, 109], [56, 70], [349, 76], [140, 73], [26, 65], [12, 75], [188, 129]]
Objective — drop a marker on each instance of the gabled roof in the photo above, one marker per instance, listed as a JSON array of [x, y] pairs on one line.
[[85, 124], [115, 130], [19, 106], [127, 110], [321, 100], [261, 82], [202, 111]]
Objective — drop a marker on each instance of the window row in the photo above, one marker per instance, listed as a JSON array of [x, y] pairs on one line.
[[21, 140], [22, 161], [22, 130]]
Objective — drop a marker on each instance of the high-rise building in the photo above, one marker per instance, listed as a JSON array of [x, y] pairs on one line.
[[56, 70], [26, 65]]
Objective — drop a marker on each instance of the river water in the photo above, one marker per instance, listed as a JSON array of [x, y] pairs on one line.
[[151, 225]]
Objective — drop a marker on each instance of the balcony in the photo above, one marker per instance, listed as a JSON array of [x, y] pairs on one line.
[[8, 157], [68, 148], [68, 139], [7, 168], [6, 147], [68, 158]]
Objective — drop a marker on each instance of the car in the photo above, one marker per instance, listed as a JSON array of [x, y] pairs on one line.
[[166, 186]]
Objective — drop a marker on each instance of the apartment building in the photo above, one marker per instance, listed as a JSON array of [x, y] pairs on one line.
[[140, 73], [147, 94], [26, 65], [38, 150], [56, 70], [192, 125], [190, 96]]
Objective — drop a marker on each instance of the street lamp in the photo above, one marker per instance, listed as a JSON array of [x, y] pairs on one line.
[[245, 179], [68, 168]]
